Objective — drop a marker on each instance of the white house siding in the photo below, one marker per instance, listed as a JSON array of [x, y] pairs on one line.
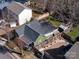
[[25, 16]]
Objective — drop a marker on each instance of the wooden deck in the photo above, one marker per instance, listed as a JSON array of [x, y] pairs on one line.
[[5, 30]]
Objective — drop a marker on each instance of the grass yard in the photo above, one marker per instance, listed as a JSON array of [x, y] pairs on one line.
[[74, 33], [54, 21], [40, 39]]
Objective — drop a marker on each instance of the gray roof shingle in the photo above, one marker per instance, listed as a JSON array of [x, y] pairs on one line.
[[73, 53], [17, 7], [34, 29], [41, 28]]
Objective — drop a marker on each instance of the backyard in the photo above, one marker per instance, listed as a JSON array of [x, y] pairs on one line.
[[54, 21], [75, 30]]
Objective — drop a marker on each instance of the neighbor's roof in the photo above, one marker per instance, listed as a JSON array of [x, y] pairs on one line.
[[73, 53], [41, 27], [5, 30], [4, 54], [17, 7], [2, 5]]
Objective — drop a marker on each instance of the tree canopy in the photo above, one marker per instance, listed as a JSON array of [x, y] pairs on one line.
[[67, 10]]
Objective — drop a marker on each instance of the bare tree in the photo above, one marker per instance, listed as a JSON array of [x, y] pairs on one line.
[[67, 10]]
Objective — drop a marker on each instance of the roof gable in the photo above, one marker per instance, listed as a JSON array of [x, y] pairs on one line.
[[16, 7], [33, 35]]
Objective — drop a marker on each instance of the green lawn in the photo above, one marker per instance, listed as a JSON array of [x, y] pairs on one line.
[[74, 33], [40, 39], [54, 21]]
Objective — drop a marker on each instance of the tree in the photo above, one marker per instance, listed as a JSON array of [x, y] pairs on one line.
[[67, 10]]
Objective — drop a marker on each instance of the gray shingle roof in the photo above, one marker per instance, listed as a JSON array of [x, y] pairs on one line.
[[17, 7], [73, 53], [27, 33], [41, 28], [26, 40], [20, 30], [34, 29], [4, 54], [33, 35]]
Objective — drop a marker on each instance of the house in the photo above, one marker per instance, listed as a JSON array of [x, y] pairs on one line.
[[73, 53], [18, 14], [38, 31], [4, 54], [35, 32], [8, 33]]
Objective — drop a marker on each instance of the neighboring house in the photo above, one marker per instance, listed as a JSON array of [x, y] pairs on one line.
[[73, 53], [7, 33], [35, 32], [41, 27], [18, 14], [4, 54]]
